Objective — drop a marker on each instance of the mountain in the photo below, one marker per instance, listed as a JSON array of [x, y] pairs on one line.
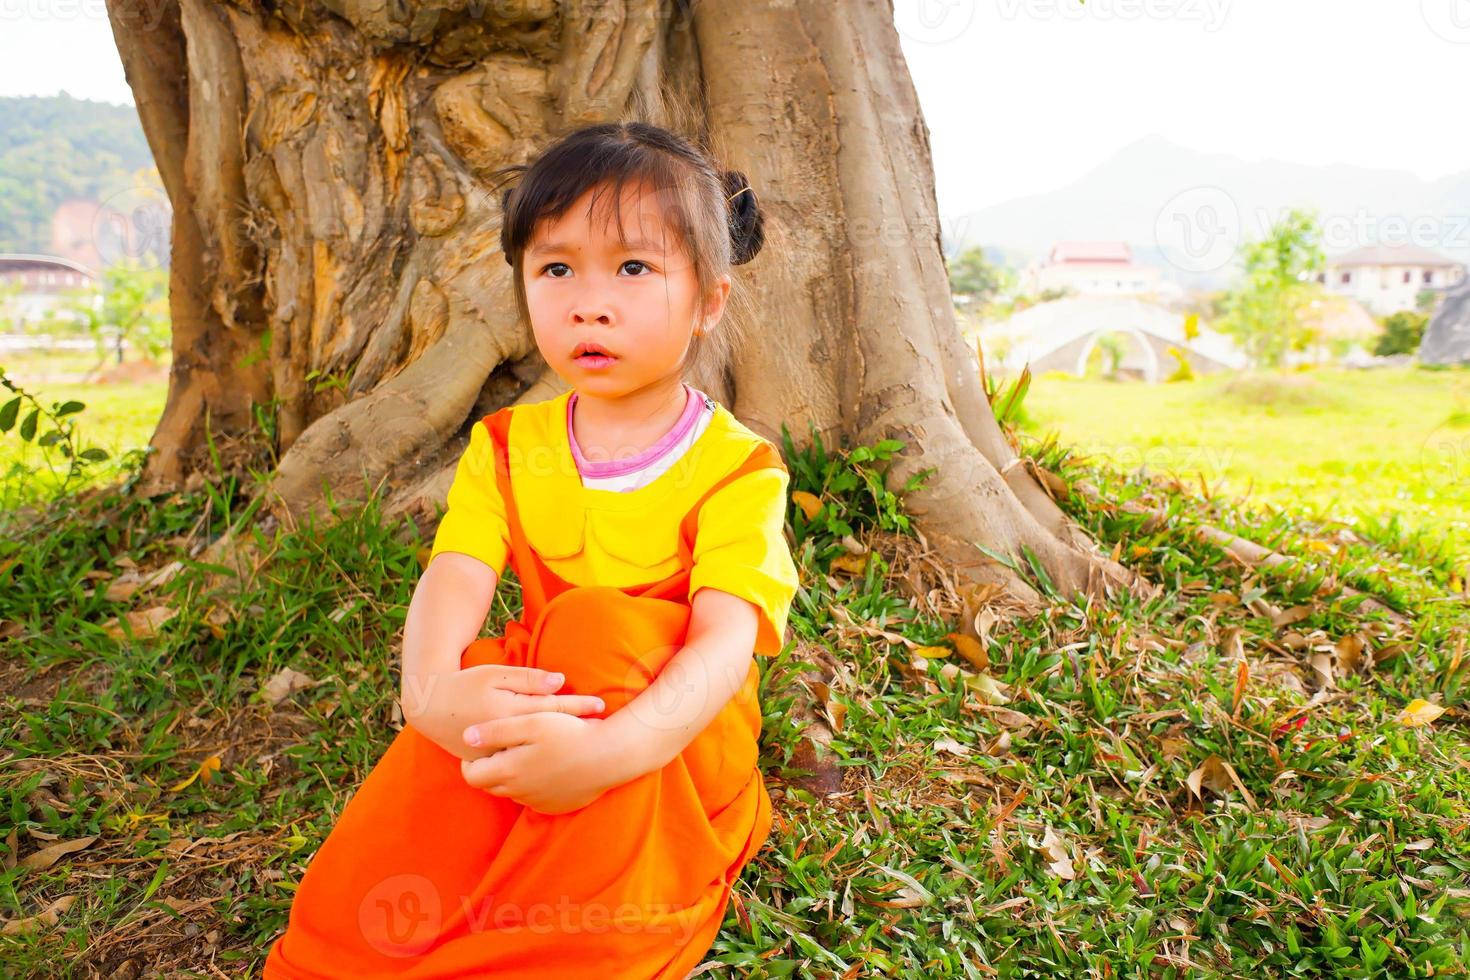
[[55, 149], [1166, 200]]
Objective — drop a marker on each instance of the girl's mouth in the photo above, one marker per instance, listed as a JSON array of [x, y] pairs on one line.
[[594, 361]]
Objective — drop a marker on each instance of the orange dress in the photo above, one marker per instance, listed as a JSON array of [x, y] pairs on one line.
[[425, 876]]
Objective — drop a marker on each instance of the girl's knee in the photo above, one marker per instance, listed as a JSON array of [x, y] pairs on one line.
[[605, 640]]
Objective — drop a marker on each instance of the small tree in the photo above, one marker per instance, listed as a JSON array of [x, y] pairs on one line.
[[130, 309], [1265, 312], [1402, 332], [972, 274]]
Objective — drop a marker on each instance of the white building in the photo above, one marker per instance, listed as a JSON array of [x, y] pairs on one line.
[[43, 282], [1095, 269], [1389, 278]]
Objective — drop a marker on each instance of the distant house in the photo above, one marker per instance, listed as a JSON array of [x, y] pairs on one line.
[[1095, 269], [43, 280], [1389, 278]]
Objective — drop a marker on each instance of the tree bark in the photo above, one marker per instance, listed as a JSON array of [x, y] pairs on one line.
[[324, 163]]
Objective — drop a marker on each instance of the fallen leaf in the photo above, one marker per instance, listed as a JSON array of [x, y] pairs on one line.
[[933, 653], [970, 649], [206, 768], [1232, 645], [47, 856], [988, 689], [809, 503], [1419, 712], [143, 623], [1054, 850], [1217, 775], [42, 920], [1349, 653], [949, 745], [849, 563], [285, 683], [1007, 717], [1289, 616], [1242, 678]]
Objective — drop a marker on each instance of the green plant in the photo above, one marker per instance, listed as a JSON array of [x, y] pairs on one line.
[[849, 489], [1402, 332], [1265, 311], [130, 306], [1184, 371], [52, 429]]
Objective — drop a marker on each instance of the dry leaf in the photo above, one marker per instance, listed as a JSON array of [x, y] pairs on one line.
[[1217, 775], [1349, 653], [1007, 717], [970, 649], [47, 856], [947, 744], [1289, 616], [1054, 850], [988, 689], [1321, 664], [933, 653], [144, 623], [42, 920], [1242, 678], [809, 503], [1173, 748], [1419, 712], [849, 563], [285, 683], [206, 768]]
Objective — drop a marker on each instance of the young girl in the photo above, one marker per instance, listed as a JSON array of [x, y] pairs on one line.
[[576, 798]]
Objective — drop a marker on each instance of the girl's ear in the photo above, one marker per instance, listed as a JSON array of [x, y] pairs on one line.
[[714, 305]]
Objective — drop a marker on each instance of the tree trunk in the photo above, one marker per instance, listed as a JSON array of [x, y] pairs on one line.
[[324, 166]]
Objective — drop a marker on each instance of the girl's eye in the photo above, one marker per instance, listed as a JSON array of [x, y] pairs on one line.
[[550, 268]]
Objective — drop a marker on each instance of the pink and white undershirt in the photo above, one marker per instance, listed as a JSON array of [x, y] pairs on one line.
[[632, 472]]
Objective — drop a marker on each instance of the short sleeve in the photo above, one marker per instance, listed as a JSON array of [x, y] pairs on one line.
[[475, 522], [740, 548]]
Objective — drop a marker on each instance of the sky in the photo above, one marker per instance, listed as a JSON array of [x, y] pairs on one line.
[[1023, 96]]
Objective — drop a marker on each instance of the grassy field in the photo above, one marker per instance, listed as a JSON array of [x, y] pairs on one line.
[[1336, 443], [119, 416], [1240, 774]]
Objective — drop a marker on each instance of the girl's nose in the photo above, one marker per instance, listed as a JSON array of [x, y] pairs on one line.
[[590, 314]]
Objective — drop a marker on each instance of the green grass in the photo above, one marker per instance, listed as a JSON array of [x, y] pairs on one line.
[[1352, 858], [1339, 443]]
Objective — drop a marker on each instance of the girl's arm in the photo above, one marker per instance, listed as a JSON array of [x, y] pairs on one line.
[[652, 729], [439, 698]]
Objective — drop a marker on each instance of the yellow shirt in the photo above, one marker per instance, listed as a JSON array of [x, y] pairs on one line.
[[626, 538]]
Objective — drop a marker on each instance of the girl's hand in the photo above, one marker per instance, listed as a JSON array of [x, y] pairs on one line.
[[441, 705], [549, 762]]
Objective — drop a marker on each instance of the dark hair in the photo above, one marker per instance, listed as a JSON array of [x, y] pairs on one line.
[[714, 212]]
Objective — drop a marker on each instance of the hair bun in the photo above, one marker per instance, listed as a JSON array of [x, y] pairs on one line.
[[747, 233]]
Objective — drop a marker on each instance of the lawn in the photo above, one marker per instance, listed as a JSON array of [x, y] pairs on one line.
[[1340, 443], [1242, 773]]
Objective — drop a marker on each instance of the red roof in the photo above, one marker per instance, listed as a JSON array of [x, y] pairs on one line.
[[1090, 253]]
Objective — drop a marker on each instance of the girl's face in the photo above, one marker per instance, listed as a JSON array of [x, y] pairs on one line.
[[637, 303]]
